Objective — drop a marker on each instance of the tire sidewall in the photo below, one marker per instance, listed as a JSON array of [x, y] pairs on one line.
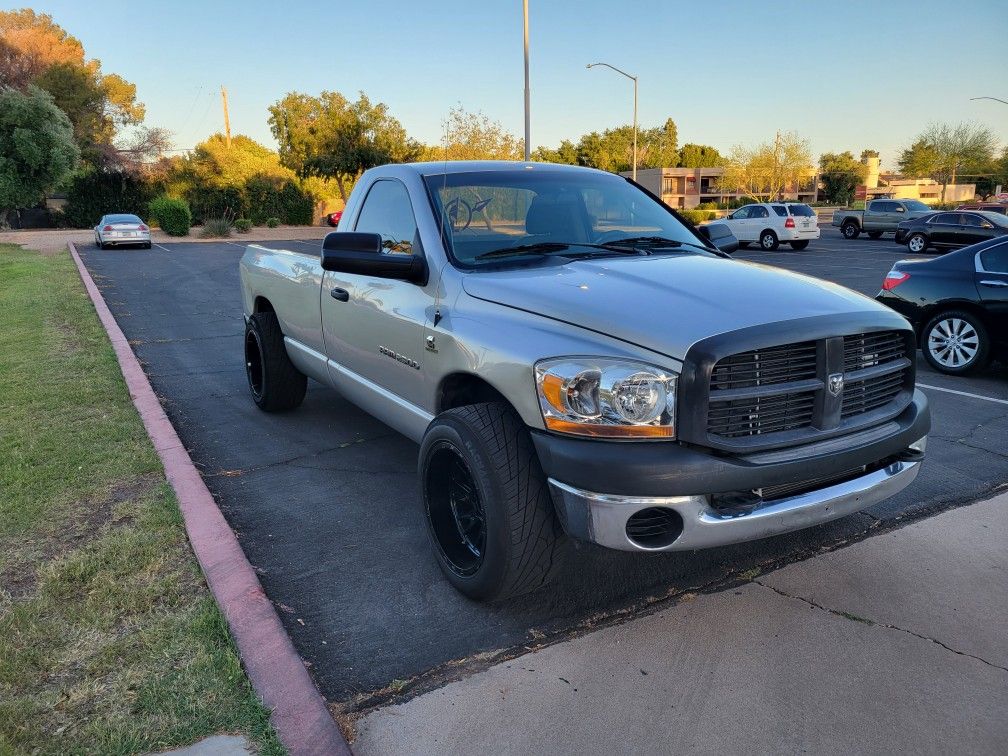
[[252, 330], [983, 352], [451, 431]]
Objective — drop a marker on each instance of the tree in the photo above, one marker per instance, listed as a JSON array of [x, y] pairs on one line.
[[215, 163], [840, 174], [37, 150], [30, 43], [865, 154], [565, 154], [473, 136], [700, 156], [765, 171], [944, 150], [984, 187], [331, 137]]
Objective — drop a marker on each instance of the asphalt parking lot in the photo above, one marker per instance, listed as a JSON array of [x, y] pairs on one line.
[[326, 506]]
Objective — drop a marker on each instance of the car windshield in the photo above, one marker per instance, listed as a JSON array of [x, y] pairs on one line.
[[915, 205], [802, 211], [122, 219], [529, 212]]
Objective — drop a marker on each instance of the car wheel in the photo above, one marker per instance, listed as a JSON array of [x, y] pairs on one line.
[[874, 234], [955, 342], [850, 230], [147, 245], [768, 240], [799, 245], [99, 243], [275, 383], [487, 503], [917, 243]]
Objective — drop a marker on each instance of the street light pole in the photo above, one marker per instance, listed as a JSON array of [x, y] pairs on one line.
[[996, 99], [528, 118], [634, 79]]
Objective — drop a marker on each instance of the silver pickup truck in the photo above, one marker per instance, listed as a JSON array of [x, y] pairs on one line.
[[881, 216], [576, 360]]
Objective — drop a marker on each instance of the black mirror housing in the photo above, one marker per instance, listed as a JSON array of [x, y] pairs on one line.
[[720, 235], [362, 253]]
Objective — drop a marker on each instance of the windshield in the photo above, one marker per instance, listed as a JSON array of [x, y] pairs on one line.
[[535, 209], [802, 211], [916, 205]]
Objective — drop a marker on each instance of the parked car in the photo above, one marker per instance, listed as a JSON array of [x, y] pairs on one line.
[[333, 219], [949, 230], [572, 358], [990, 207], [119, 229], [957, 304], [771, 223], [881, 216]]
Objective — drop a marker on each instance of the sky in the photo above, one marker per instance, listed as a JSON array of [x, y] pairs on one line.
[[843, 75]]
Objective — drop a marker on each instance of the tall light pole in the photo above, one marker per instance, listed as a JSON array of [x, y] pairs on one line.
[[996, 99], [528, 117], [634, 79]]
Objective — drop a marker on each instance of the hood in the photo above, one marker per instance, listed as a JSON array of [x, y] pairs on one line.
[[667, 303]]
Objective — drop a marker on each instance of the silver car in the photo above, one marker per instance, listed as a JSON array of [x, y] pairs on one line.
[[119, 229]]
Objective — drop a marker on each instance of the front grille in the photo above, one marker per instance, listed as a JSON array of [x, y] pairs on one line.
[[787, 388]]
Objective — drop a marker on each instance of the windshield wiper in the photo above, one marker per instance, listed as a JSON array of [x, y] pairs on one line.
[[548, 247], [656, 242]]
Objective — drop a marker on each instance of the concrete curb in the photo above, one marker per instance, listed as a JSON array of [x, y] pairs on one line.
[[298, 711]]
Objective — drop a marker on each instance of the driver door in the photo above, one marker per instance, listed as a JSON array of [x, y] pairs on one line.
[[740, 224], [374, 327]]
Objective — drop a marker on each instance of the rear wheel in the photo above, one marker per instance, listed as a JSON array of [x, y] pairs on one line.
[[917, 243], [799, 245], [276, 385], [850, 230], [956, 343], [874, 234], [768, 240], [487, 503]]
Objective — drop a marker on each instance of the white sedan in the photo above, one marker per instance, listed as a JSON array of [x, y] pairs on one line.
[[770, 224], [121, 229]]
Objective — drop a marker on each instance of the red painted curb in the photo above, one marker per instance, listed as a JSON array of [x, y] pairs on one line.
[[297, 710]]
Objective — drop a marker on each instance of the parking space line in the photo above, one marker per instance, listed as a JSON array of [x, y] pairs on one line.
[[160, 247], [963, 393]]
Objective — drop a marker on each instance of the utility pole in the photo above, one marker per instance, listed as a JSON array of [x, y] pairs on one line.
[[227, 121], [528, 99]]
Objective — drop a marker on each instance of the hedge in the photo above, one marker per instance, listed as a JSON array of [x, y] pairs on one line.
[[698, 216], [172, 215], [93, 194], [258, 200]]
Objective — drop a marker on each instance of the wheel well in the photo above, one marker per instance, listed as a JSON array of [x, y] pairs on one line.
[[767, 229], [851, 222], [262, 304], [460, 389]]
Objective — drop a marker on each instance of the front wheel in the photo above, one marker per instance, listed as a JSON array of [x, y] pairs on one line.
[[487, 503], [850, 230], [955, 343], [768, 241], [917, 243], [276, 385], [799, 245]]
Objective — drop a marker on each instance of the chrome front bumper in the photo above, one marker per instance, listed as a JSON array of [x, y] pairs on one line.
[[602, 518]]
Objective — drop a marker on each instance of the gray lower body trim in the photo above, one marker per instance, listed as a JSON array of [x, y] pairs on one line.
[[602, 518]]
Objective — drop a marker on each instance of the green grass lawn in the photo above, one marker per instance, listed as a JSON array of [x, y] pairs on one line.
[[110, 641]]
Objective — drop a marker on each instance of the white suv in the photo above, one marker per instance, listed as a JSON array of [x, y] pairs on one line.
[[770, 223]]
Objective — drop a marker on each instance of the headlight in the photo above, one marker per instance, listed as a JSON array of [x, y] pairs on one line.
[[605, 397]]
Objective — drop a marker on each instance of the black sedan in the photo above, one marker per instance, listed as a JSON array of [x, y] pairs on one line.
[[948, 230], [958, 304]]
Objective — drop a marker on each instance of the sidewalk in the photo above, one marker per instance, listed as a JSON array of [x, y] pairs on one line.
[[895, 644]]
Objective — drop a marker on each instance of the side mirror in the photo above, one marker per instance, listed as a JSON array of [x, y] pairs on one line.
[[362, 253], [720, 235], [900, 209]]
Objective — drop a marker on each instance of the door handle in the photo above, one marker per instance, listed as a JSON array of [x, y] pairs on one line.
[[993, 283], [340, 295]]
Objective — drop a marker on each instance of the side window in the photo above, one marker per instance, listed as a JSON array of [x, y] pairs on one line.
[[995, 259], [387, 211], [758, 211], [741, 214], [780, 210], [968, 219], [876, 206], [946, 219]]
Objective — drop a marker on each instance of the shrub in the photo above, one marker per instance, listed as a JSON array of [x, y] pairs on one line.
[[210, 202], [698, 216], [92, 194], [172, 215], [707, 206], [214, 227], [243, 225], [273, 222]]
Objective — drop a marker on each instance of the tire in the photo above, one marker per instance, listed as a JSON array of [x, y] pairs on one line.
[[275, 384], [147, 245], [970, 345], [917, 243], [850, 230], [797, 246], [874, 234], [100, 243], [487, 503], [768, 240]]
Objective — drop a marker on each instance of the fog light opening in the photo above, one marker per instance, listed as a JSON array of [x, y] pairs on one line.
[[654, 527]]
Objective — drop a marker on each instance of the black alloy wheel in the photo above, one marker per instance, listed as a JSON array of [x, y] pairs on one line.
[[455, 510]]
